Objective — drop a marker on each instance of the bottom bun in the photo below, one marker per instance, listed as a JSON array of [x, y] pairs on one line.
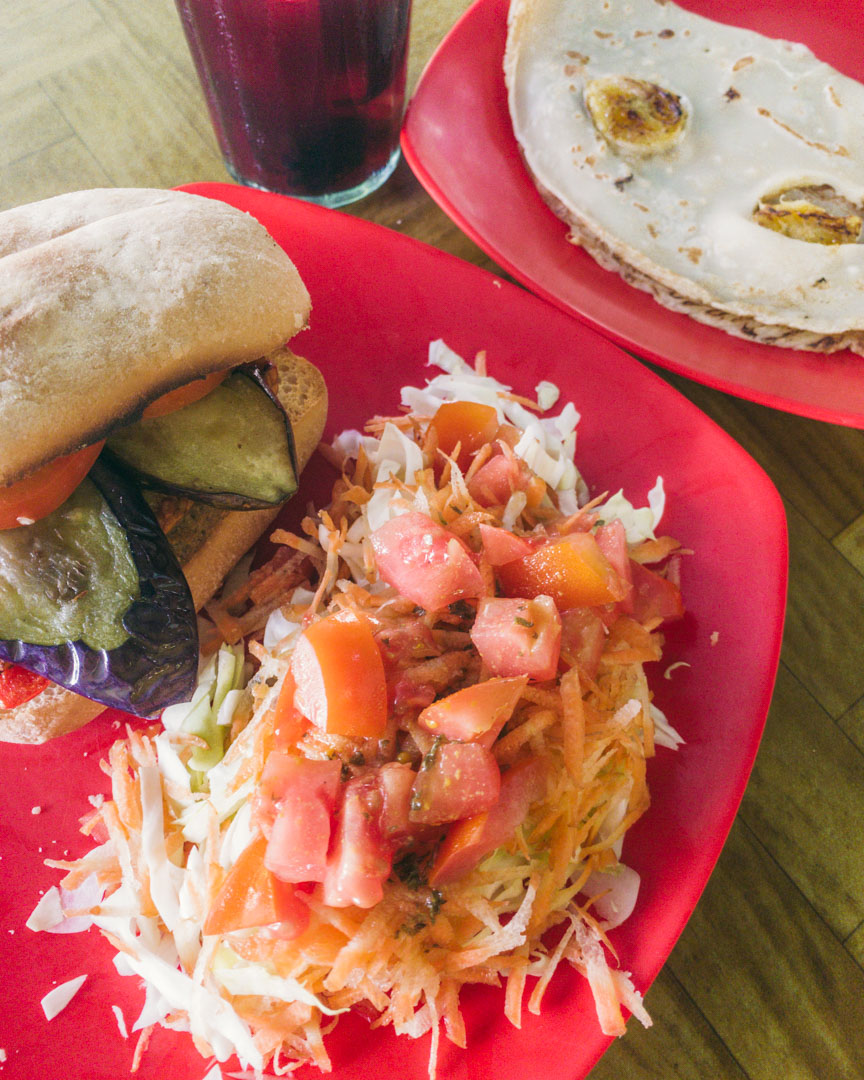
[[207, 541], [53, 712]]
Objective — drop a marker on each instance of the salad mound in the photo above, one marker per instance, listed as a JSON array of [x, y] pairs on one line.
[[415, 751]]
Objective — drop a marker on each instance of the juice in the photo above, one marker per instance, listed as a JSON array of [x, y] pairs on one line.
[[305, 96]]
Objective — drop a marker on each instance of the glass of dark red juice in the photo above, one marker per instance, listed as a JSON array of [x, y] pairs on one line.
[[305, 96]]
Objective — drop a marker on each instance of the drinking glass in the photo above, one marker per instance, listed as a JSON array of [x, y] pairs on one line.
[[305, 96]]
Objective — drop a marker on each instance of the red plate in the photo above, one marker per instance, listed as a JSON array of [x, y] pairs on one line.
[[379, 298], [458, 139]]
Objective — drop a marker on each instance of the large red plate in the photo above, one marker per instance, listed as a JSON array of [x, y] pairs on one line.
[[378, 300], [458, 139]]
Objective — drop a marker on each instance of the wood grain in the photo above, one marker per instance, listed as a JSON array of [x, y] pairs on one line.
[[767, 979]]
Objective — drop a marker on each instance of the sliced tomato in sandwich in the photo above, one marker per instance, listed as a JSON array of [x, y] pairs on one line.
[[34, 497]]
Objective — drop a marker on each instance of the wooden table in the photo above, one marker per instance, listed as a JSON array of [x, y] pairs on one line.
[[766, 980]]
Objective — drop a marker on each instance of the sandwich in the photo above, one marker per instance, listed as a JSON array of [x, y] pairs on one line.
[[152, 423]]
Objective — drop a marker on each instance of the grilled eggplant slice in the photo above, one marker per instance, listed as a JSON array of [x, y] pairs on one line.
[[93, 598], [233, 449]]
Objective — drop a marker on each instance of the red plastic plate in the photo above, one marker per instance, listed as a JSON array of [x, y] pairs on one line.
[[458, 140], [378, 299]]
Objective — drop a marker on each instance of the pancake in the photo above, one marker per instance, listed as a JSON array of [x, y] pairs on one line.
[[720, 170]]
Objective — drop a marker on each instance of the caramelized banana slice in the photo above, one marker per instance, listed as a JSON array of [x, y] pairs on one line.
[[634, 114], [816, 215]]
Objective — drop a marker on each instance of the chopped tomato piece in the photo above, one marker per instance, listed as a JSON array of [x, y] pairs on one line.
[[655, 598], [405, 641], [251, 896], [518, 637], [469, 841], [289, 724], [425, 562], [508, 433], [281, 772], [572, 570], [37, 495], [407, 693], [18, 685], [360, 861], [183, 395], [294, 808], [341, 686], [495, 482], [612, 541], [475, 714], [455, 781], [395, 782], [583, 639], [501, 546], [466, 424]]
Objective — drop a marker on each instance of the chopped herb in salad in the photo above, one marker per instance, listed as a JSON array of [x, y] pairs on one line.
[[416, 750]]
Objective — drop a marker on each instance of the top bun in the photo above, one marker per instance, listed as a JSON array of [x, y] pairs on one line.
[[110, 298]]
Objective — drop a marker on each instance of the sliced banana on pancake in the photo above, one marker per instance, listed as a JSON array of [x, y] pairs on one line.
[[634, 115], [721, 170]]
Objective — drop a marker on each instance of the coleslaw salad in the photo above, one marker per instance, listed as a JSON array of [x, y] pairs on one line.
[[445, 802]]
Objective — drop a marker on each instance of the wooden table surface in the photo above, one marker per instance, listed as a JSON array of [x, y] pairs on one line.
[[766, 980]]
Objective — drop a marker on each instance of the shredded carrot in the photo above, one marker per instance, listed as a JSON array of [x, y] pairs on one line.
[[587, 733], [574, 724], [507, 748], [141, 1046], [653, 551]]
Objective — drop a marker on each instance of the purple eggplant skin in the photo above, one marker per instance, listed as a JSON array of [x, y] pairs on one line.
[[157, 665], [258, 373]]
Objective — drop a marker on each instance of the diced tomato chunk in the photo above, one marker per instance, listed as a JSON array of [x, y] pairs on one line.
[[469, 841], [252, 896], [340, 679], [405, 641], [518, 637], [655, 598], [403, 644], [467, 424], [455, 781], [286, 771], [425, 562], [294, 807], [396, 782], [360, 861], [289, 724], [407, 693], [583, 639], [18, 686], [612, 541], [572, 570], [475, 714], [495, 482], [501, 546]]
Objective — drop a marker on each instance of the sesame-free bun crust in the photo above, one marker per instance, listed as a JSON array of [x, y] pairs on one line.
[[110, 298], [207, 541]]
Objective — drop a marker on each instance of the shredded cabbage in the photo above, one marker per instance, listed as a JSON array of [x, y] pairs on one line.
[[182, 812], [56, 1000]]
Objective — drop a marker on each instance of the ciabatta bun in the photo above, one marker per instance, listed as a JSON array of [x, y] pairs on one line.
[[122, 296]]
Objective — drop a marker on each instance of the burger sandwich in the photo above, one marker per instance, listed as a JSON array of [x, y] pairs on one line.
[[145, 388]]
